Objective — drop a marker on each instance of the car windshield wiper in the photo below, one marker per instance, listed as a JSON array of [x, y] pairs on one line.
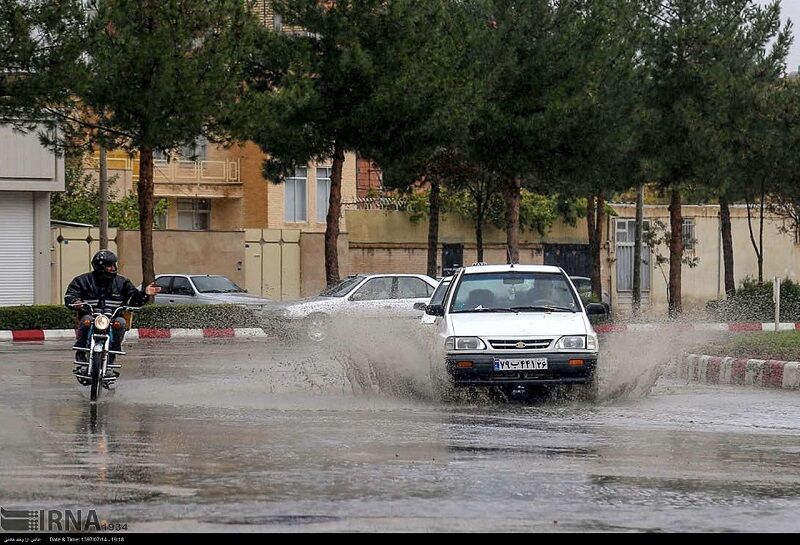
[[547, 308], [485, 310], [211, 291]]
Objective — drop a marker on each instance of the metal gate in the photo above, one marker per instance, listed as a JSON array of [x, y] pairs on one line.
[[16, 248], [575, 259], [452, 258]]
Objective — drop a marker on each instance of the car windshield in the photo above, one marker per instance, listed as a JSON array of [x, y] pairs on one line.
[[215, 284], [514, 291], [342, 288], [441, 290]]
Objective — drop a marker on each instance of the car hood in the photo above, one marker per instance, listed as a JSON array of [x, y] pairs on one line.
[[302, 307], [523, 324], [236, 298]]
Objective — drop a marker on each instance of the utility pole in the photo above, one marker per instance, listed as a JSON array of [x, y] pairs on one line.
[[637, 252], [103, 199]]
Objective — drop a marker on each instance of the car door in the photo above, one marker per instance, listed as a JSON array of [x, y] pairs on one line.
[[182, 292], [165, 283], [410, 290], [373, 297]]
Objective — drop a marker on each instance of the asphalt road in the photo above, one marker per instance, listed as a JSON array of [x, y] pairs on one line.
[[255, 436]]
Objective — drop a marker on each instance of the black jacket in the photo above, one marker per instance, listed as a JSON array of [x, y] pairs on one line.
[[92, 287]]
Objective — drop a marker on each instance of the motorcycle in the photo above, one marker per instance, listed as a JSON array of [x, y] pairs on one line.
[[101, 332]]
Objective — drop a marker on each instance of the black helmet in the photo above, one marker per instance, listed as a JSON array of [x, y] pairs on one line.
[[103, 259]]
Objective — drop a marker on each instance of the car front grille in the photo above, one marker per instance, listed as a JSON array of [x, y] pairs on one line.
[[520, 344]]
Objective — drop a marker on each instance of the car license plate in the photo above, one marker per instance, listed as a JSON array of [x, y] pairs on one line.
[[518, 364]]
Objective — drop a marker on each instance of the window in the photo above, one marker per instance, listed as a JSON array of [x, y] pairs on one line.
[[163, 282], [295, 196], [160, 221], [523, 291], [687, 234], [323, 193], [181, 286], [626, 239], [441, 292], [197, 150], [409, 287], [277, 22], [194, 214], [374, 289]]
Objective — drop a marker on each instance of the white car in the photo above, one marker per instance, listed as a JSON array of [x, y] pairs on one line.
[[363, 296], [204, 289], [513, 327]]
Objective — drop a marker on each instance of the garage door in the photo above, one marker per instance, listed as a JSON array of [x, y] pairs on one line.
[[16, 248]]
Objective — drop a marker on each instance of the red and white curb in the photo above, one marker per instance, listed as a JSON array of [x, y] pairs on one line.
[[745, 372], [696, 326], [135, 334]]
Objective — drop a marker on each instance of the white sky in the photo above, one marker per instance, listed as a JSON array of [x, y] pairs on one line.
[[790, 9]]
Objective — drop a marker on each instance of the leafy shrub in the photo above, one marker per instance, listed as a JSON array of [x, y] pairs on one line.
[[151, 316], [753, 303]]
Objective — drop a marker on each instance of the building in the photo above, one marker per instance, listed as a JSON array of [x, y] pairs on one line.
[[29, 172]]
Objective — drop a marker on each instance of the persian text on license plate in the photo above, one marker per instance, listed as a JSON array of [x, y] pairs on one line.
[[519, 364]]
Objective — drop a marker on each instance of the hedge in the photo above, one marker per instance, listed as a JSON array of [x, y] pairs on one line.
[[150, 316], [753, 302]]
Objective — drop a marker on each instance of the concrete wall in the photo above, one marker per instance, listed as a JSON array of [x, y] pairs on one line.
[[312, 262], [706, 281], [200, 252], [388, 241]]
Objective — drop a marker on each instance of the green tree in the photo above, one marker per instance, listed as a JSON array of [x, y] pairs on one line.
[[148, 75], [694, 53]]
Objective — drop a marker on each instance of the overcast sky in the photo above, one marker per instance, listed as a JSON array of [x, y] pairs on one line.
[[790, 9]]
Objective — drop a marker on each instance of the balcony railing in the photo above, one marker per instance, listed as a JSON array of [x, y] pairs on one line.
[[176, 171]]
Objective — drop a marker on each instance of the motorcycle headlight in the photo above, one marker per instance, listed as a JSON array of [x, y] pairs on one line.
[[464, 343], [101, 322], [572, 342]]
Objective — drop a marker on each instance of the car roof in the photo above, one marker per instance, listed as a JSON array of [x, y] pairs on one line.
[[506, 268], [188, 274]]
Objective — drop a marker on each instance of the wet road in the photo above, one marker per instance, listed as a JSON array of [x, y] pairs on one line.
[[251, 436]]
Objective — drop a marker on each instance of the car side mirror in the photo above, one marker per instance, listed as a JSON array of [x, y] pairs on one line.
[[420, 306], [595, 308], [434, 310], [357, 297]]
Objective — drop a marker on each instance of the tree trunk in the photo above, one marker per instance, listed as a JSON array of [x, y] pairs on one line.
[[145, 191], [103, 199], [727, 245], [761, 237], [479, 235], [433, 225], [332, 219], [512, 220], [752, 237], [675, 254], [595, 218], [637, 251]]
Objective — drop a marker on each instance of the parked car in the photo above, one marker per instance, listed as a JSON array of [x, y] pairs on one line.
[[510, 327], [204, 289], [363, 295], [584, 286]]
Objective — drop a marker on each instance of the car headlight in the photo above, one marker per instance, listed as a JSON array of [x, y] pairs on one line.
[[464, 343], [572, 342], [101, 322], [591, 342]]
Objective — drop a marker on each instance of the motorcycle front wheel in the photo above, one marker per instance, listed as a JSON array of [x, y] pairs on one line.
[[97, 373]]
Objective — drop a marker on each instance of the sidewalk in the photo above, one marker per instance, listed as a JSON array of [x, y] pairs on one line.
[[32, 335], [697, 326]]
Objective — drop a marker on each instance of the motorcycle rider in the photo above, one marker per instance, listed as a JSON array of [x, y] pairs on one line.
[[103, 288]]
